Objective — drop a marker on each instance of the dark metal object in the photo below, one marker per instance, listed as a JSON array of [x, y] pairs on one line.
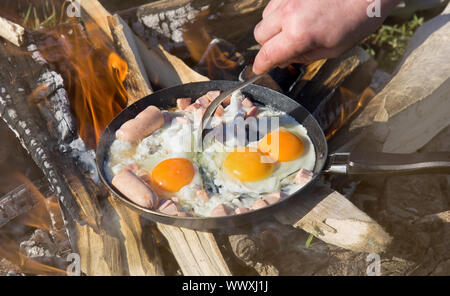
[[213, 107], [369, 162], [167, 98]]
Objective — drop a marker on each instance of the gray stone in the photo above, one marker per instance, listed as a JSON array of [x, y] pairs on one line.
[[442, 269], [414, 196], [413, 107]]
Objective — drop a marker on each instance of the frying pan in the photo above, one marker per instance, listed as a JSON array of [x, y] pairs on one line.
[[343, 163]]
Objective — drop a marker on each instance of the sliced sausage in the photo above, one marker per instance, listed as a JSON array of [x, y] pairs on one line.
[[247, 103], [252, 112], [241, 210], [193, 107], [143, 125], [183, 214], [202, 195], [183, 103], [259, 203], [273, 197], [203, 101], [135, 189], [220, 111], [168, 207], [212, 94], [302, 177], [220, 210], [227, 101]]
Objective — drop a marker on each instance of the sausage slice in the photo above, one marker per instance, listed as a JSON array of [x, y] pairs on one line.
[[135, 189], [143, 125]]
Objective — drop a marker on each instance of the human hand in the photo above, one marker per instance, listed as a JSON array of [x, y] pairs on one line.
[[303, 31]]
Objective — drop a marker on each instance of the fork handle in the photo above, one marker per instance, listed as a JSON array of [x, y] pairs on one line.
[[213, 106]]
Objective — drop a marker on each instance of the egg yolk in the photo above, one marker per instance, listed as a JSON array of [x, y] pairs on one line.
[[247, 166], [287, 148], [173, 174]]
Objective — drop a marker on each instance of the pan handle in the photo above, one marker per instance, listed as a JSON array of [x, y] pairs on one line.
[[368, 162]]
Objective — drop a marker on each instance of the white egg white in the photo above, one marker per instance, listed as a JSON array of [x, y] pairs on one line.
[[214, 156], [175, 140]]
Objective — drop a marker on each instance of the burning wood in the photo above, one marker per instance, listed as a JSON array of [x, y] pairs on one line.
[[15, 203], [81, 77], [48, 245]]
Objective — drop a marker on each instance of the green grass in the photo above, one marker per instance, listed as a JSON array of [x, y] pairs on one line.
[[309, 240], [41, 16], [388, 44]]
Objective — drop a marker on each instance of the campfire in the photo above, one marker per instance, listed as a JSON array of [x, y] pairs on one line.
[[62, 83]]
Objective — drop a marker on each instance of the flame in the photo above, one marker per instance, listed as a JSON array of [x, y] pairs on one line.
[[349, 107], [204, 49], [94, 75], [9, 249], [37, 217]]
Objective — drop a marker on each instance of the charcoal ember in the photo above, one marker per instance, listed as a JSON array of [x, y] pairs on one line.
[[9, 269], [54, 105], [84, 158], [8, 143], [39, 244], [60, 108], [16, 203]]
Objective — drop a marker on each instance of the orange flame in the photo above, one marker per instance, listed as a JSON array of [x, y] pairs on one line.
[[202, 50], [9, 249], [94, 75], [349, 107], [37, 217]]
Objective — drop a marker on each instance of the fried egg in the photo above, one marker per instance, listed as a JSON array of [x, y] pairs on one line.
[[234, 172], [264, 166]]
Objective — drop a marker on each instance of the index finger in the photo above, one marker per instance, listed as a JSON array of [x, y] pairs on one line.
[[271, 7], [278, 50]]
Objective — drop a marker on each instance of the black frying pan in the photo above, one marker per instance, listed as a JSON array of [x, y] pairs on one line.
[[348, 163]]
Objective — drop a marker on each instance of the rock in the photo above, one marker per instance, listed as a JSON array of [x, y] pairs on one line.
[[414, 196], [442, 269], [408, 113], [397, 266], [441, 242]]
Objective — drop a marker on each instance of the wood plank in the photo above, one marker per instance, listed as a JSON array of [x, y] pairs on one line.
[[139, 261], [331, 217], [197, 252], [442, 217], [136, 82], [165, 21], [164, 69], [98, 14], [12, 32]]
